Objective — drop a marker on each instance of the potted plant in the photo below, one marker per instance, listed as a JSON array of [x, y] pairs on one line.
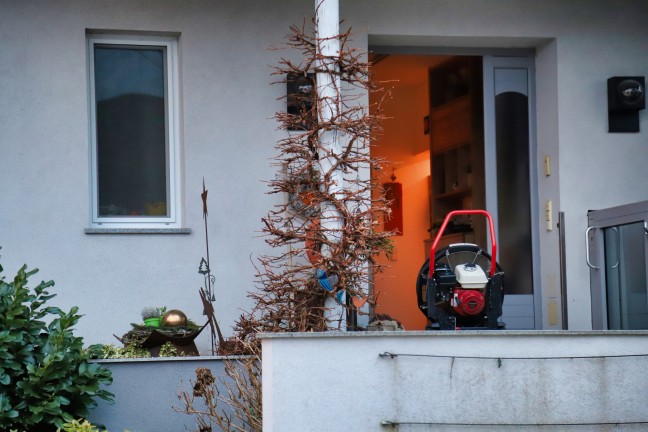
[[152, 316]]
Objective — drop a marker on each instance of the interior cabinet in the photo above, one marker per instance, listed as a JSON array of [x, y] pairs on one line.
[[457, 145], [451, 179]]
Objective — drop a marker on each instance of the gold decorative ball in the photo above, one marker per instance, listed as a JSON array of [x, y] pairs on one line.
[[174, 318]]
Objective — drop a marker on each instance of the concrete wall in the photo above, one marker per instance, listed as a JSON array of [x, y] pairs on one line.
[[147, 393], [455, 381], [227, 134]]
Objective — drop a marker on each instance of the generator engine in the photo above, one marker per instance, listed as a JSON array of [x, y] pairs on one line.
[[469, 300], [465, 287]]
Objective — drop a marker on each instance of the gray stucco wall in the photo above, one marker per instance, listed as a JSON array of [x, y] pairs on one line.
[[227, 137], [227, 134]]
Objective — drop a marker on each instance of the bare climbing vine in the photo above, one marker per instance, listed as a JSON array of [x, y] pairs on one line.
[[315, 259], [291, 295]]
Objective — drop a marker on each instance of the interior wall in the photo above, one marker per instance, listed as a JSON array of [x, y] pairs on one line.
[[405, 148]]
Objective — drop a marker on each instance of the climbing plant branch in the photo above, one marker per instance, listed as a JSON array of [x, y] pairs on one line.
[[323, 233]]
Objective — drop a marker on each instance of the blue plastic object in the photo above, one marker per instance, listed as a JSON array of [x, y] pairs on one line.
[[340, 296], [323, 280]]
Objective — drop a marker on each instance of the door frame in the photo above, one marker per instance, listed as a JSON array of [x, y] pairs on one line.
[[502, 54]]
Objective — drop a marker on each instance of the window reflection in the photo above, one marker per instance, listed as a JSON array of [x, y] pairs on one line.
[[131, 130]]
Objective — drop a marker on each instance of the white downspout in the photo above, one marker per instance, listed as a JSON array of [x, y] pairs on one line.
[[327, 18]]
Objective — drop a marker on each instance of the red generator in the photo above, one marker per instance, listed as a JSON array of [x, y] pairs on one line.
[[464, 288]]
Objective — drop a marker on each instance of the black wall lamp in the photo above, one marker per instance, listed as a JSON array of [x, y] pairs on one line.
[[626, 97]]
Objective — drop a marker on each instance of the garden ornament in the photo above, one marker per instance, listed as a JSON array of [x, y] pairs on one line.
[[324, 280]]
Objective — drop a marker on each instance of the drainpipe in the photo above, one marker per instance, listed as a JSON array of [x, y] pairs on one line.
[[327, 18]]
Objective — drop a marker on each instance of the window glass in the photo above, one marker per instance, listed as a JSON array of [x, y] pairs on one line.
[[625, 274], [513, 198], [132, 152]]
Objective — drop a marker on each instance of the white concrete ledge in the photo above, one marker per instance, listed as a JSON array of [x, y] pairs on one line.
[[167, 359], [455, 381]]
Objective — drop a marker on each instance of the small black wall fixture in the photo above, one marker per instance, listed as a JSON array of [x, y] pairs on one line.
[[300, 92], [626, 97]]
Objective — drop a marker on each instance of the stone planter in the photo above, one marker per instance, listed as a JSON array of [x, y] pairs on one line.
[[146, 392]]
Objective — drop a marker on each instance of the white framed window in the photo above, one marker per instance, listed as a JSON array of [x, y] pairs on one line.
[[134, 137]]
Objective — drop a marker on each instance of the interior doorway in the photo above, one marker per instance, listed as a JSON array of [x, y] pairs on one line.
[[442, 140], [405, 147]]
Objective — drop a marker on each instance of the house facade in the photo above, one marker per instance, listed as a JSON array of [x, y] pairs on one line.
[[203, 104]]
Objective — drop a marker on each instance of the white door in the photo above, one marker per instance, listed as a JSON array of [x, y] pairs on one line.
[[511, 197]]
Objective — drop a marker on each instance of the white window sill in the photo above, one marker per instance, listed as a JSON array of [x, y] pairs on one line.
[[137, 230]]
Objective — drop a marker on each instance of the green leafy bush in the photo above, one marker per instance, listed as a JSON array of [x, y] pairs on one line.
[[80, 425], [109, 351], [45, 377], [133, 350]]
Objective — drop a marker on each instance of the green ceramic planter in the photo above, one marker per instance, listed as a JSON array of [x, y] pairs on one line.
[[152, 322]]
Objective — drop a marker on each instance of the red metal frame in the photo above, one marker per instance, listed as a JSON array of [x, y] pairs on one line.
[[449, 216]]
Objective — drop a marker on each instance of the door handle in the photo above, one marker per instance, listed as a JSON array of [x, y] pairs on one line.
[[587, 245], [618, 246]]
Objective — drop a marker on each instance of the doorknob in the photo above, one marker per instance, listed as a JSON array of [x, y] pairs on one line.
[[587, 246], [618, 247]]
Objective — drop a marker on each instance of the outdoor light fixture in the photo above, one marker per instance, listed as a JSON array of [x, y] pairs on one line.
[[626, 97]]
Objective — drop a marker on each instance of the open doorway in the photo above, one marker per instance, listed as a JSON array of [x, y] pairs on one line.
[[442, 156], [405, 147]]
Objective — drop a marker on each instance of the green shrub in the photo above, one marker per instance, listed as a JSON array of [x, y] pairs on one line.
[[132, 350], [80, 425], [109, 351], [45, 377]]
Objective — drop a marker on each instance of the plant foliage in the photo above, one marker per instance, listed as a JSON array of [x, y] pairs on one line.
[[45, 377], [110, 351], [80, 425], [132, 350], [151, 312]]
